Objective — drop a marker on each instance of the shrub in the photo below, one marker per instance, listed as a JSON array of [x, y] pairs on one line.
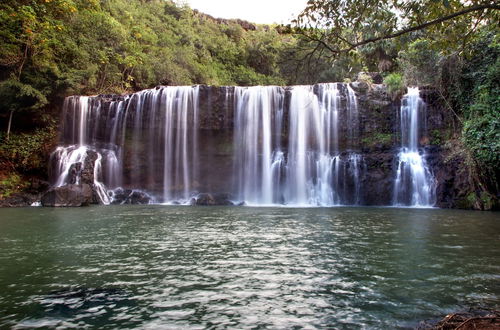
[[395, 84]]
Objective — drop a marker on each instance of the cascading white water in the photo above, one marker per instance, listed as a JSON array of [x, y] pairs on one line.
[[67, 156], [130, 138], [293, 146], [300, 119], [257, 121], [352, 118], [414, 184], [310, 171], [180, 105]]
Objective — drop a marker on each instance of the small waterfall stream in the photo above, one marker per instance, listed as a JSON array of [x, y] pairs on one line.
[[414, 184]]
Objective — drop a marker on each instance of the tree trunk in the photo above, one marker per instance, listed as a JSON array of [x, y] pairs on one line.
[[10, 122]]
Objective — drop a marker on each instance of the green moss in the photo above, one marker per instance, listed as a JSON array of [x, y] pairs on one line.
[[377, 138], [11, 184], [485, 201], [436, 137]]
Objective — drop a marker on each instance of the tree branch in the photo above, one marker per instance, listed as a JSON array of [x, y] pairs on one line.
[[352, 46], [424, 25]]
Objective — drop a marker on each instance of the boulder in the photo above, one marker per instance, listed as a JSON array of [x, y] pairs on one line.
[[206, 199], [74, 173], [223, 199], [129, 196], [68, 195]]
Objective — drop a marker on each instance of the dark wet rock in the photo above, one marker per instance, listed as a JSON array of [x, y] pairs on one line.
[[38, 186], [206, 199], [455, 182], [68, 195], [223, 199], [87, 174], [74, 173], [129, 196], [360, 87], [378, 179], [20, 200], [83, 174]]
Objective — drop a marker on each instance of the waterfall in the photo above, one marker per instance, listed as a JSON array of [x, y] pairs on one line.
[[414, 184], [309, 169], [257, 132], [145, 141], [70, 160], [294, 146]]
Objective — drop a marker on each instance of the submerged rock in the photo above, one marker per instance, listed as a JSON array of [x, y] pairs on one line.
[[68, 195]]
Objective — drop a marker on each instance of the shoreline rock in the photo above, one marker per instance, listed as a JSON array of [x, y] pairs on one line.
[[70, 195]]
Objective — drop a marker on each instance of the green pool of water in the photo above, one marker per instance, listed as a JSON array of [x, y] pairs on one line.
[[242, 267]]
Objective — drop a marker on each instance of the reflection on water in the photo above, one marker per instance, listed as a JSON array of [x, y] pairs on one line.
[[198, 267]]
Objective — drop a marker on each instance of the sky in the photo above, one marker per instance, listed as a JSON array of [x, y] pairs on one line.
[[255, 11]]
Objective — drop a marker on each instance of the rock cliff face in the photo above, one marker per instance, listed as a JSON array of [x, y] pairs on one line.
[[193, 149]]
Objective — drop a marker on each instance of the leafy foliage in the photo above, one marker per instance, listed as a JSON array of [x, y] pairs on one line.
[[481, 130], [419, 63], [18, 96], [343, 26], [395, 84], [27, 152], [53, 48], [11, 184]]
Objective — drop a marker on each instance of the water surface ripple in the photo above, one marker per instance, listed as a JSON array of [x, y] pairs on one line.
[[233, 267]]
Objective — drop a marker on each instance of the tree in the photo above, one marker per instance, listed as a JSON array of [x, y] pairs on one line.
[[341, 26], [17, 96]]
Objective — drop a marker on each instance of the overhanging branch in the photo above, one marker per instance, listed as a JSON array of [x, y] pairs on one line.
[[352, 46]]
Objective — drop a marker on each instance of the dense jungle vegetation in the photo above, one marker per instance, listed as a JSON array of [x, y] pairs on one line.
[[50, 49]]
